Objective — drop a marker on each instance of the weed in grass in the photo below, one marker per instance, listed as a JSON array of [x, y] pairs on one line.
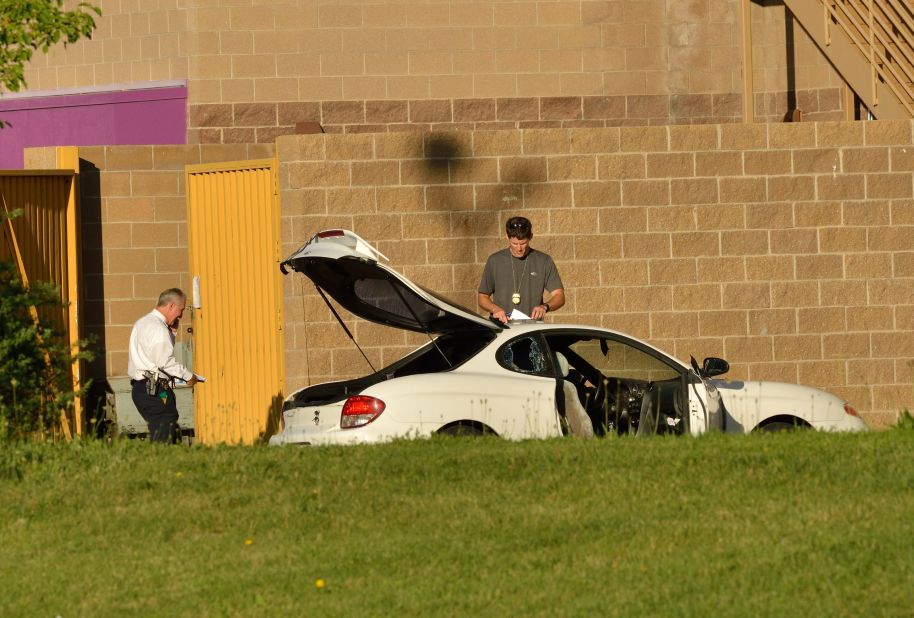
[[10, 462], [905, 421]]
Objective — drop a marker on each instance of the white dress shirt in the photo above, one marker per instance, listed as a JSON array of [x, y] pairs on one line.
[[152, 348]]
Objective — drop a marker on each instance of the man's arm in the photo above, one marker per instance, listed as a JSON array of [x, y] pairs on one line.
[[556, 301], [486, 304], [162, 354]]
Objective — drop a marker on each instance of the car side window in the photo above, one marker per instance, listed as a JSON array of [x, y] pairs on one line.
[[619, 359], [525, 355]]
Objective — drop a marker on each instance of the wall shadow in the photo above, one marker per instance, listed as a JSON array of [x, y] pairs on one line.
[[445, 158], [92, 296], [274, 419], [793, 114], [442, 152]]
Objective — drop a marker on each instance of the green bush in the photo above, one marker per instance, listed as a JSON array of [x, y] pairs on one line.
[[35, 360]]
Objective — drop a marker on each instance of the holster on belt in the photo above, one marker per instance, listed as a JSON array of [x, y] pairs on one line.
[[156, 383]]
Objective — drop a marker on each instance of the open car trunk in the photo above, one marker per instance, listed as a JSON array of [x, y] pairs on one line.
[[446, 353], [348, 269]]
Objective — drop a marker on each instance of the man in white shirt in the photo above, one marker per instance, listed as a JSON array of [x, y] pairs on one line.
[[152, 366]]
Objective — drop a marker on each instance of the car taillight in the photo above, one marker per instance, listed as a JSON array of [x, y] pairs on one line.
[[360, 410], [850, 410], [330, 233]]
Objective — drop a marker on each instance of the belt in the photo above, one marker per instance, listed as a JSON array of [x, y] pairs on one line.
[[160, 380]]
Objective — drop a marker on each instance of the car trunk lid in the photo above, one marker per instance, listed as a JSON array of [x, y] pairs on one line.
[[349, 269]]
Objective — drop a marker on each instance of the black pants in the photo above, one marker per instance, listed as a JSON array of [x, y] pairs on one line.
[[161, 414]]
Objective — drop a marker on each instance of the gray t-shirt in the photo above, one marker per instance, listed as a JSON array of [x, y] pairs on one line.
[[529, 276]]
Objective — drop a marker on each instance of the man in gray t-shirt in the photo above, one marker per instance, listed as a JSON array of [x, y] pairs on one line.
[[515, 278]]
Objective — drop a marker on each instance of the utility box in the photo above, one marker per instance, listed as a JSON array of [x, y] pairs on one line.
[[128, 419]]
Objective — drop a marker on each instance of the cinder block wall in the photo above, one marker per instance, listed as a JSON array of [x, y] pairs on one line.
[[134, 234], [256, 69], [784, 248]]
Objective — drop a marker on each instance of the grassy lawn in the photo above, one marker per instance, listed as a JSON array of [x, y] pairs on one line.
[[799, 524]]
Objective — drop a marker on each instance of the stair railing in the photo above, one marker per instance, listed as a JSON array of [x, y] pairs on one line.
[[883, 32]]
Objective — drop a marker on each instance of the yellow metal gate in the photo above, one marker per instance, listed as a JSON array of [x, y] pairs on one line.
[[236, 300], [44, 243]]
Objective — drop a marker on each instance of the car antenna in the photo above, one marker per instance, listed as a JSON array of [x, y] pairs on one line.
[[340, 320]]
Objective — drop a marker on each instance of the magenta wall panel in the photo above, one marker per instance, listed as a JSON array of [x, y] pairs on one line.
[[155, 115]]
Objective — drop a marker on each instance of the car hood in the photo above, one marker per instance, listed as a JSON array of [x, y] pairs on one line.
[[349, 269]]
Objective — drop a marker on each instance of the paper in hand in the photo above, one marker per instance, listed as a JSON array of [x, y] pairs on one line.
[[517, 314]]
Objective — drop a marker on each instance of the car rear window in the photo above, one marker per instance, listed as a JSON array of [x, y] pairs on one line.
[[452, 351]]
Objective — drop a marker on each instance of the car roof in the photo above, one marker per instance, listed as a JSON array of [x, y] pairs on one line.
[[515, 329]]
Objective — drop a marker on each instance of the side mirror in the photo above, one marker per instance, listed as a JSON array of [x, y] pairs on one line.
[[714, 366]]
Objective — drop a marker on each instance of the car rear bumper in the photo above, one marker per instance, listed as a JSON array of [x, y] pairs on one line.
[[304, 437]]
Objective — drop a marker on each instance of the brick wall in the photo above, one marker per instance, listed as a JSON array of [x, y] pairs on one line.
[[134, 233], [264, 122], [255, 69], [784, 248]]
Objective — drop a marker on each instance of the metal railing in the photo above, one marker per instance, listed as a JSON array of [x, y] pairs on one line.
[[883, 32]]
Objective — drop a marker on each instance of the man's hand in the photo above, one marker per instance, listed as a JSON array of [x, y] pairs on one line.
[[486, 304], [192, 381], [539, 312]]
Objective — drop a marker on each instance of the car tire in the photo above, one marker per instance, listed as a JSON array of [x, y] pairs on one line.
[[461, 429]]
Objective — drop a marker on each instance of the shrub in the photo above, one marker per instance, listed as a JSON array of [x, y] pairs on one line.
[[35, 359]]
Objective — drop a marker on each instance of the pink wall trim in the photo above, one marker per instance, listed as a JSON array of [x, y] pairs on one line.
[[138, 115]]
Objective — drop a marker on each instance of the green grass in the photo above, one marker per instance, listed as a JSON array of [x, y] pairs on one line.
[[799, 524]]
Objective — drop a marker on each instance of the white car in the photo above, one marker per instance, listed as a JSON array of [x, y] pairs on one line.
[[521, 380]]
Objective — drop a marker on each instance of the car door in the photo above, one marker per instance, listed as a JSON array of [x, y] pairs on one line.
[[525, 403], [627, 386]]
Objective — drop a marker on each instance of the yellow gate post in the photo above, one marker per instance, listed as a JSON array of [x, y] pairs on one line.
[[68, 159]]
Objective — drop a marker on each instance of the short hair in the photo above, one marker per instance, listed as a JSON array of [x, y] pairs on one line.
[[519, 227], [171, 295]]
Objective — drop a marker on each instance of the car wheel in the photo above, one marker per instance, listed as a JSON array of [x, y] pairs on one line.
[[461, 429]]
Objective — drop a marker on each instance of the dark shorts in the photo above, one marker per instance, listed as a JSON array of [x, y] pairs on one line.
[[160, 413]]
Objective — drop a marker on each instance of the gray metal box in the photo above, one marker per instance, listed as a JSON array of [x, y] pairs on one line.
[[130, 422], [128, 419]]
